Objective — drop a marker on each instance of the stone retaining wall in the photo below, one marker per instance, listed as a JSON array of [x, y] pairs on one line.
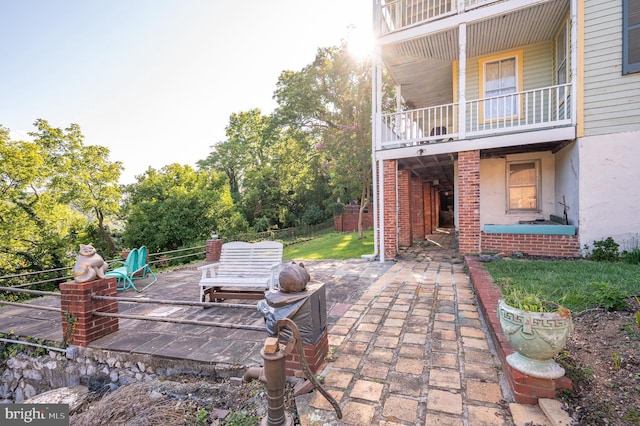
[[25, 376]]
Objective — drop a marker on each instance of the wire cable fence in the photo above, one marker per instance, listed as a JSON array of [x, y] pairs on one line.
[[51, 278]]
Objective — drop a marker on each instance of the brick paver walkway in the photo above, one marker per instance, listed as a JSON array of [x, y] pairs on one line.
[[412, 351]]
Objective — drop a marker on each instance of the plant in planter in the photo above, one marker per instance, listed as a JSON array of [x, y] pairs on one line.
[[537, 331]]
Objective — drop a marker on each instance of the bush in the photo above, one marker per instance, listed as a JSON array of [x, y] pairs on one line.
[[609, 296], [604, 251], [631, 253], [313, 215]]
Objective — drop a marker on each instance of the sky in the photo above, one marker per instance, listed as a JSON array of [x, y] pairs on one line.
[[155, 81]]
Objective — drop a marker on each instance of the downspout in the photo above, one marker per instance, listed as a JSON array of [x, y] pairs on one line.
[[375, 125], [378, 179], [397, 207], [462, 80]]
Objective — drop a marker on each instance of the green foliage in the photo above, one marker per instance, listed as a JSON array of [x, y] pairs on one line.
[[631, 253], [609, 296], [532, 302], [177, 207], [8, 349], [632, 415], [53, 187], [313, 215], [262, 224], [604, 251], [241, 418], [332, 246], [566, 283]]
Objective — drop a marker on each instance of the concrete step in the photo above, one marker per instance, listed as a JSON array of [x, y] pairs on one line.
[[548, 412]]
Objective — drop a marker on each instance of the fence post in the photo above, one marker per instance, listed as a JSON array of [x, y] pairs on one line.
[[79, 326], [213, 250]]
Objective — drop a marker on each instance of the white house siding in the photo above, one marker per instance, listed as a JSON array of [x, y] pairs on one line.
[[493, 189], [609, 190], [611, 100], [538, 72], [567, 176]]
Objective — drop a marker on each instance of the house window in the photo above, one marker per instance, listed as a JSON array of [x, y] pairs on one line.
[[630, 36], [523, 179], [500, 81], [562, 55]]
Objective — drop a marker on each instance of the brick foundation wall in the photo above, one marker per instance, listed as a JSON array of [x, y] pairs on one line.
[[314, 355], [532, 244], [76, 302], [213, 250], [469, 202], [525, 389]]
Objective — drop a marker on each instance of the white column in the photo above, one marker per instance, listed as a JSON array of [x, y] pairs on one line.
[[462, 80]]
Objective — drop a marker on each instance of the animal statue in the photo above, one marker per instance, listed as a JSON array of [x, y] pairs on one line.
[[293, 278], [89, 265]]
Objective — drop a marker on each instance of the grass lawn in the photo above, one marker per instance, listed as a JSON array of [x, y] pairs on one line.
[[335, 245], [577, 285]]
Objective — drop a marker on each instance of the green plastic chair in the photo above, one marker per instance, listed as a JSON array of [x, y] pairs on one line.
[[143, 267], [125, 272]]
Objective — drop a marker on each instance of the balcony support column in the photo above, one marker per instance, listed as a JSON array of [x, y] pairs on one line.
[[574, 60], [462, 80]]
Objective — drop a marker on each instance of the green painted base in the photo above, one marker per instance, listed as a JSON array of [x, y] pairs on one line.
[[548, 369]]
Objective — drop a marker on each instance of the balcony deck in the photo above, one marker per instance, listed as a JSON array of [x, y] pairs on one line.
[[538, 109]]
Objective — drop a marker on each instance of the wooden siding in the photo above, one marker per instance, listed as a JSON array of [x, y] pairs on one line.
[[538, 70], [610, 99]]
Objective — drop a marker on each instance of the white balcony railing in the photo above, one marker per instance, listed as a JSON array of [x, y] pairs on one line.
[[420, 125], [532, 109], [398, 14], [535, 109]]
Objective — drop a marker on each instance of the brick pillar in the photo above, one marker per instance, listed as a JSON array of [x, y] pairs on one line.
[[314, 355], [427, 193], [79, 325], [213, 250], [390, 225], [405, 236], [417, 208], [469, 200]]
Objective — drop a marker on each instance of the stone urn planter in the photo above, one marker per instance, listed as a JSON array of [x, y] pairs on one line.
[[536, 337]]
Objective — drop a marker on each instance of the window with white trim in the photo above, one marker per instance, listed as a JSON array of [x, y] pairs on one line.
[[630, 36], [523, 185], [562, 55], [500, 81]]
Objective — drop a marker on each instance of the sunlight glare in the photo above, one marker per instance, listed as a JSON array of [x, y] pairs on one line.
[[360, 42]]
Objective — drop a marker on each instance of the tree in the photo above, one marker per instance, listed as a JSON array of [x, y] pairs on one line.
[[177, 207], [270, 169], [46, 196], [331, 99]]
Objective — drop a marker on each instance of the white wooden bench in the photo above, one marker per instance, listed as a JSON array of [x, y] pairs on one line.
[[242, 265]]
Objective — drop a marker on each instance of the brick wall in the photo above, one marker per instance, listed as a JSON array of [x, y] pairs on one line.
[[532, 244], [390, 225], [314, 355], [469, 204], [427, 197], [405, 236], [347, 221], [417, 208], [79, 325]]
